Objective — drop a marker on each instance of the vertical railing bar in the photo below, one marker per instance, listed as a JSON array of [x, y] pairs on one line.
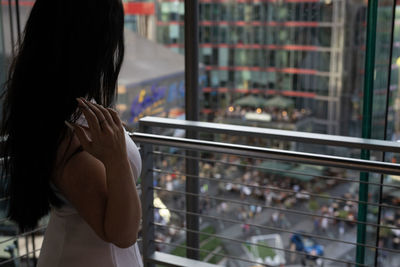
[[18, 21], [11, 27], [366, 122], [27, 250], [147, 200], [192, 113], [34, 249], [385, 128], [2, 52]]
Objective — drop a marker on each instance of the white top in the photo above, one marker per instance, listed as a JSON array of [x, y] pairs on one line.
[[70, 242]]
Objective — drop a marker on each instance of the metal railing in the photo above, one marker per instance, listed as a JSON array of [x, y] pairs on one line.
[[233, 218], [158, 146]]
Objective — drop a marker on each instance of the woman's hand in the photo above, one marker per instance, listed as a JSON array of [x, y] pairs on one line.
[[107, 141]]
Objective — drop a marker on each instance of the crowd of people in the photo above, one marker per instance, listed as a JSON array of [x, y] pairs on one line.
[[276, 114], [337, 217], [231, 177], [235, 178], [389, 236]]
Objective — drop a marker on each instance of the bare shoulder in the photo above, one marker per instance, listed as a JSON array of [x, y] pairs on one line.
[[82, 169], [79, 169]]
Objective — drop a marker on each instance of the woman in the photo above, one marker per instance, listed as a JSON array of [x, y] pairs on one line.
[[63, 153]]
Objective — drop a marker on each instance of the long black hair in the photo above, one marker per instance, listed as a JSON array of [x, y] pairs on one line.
[[70, 49]]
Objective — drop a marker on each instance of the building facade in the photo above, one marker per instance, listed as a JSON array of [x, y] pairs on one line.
[[290, 48]]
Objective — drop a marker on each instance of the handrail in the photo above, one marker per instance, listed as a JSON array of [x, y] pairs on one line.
[[251, 151], [176, 261], [304, 137]]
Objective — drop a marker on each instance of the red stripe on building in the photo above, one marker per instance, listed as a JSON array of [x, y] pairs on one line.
[[243, 91], [206, 45], [207, 23], [131, 8], [298, 71], [302, 1], [270, 69], [271, 92], [21, 3], [292, 70], [299, 47], [261, 91], [258, 46], [218, 68], [139, 8], [220, 90], [175, 45], [245, 23], [207, 110], [247, 1], [300, 24], [250, 91], [299, 94]]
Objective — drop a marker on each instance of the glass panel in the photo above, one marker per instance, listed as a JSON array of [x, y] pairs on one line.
[[152, 82], [388, 239], [303, 52], [302, 44]]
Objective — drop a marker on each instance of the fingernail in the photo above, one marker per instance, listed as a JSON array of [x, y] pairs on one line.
[[69, 125], [81, 103]]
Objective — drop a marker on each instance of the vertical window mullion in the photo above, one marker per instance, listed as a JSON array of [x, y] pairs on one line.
[[2, 50], [192, 113]]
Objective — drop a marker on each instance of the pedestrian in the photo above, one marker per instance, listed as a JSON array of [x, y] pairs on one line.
[[75, 164], [224, 207], [341, 227], [283, 221], [324, 224], [245, 228], [275, 218], [316, 225], [259, 209], [268, 197]]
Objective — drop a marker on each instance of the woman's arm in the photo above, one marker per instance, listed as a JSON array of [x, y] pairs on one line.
[[100, 183], [123, 211]]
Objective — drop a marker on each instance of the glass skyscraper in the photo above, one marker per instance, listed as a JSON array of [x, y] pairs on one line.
[[295, 49]]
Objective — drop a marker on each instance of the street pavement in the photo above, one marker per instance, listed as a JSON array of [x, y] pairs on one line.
[[298, 223]]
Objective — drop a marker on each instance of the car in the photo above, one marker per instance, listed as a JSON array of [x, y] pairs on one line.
[[308, 245]]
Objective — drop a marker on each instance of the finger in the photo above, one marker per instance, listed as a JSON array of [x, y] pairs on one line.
[[81, 134], [115, 117], [90, 116], [106, 114], [86, 130], [99, 115]]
